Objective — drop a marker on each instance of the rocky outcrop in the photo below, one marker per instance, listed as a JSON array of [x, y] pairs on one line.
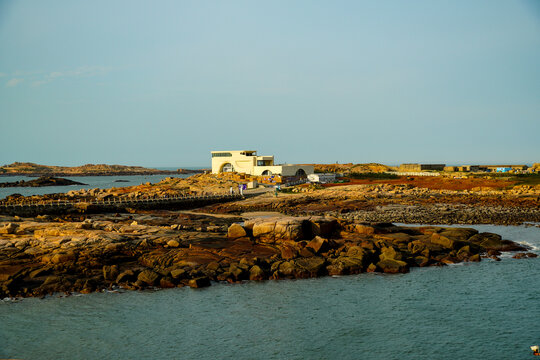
[[47, 255], [41, 181]]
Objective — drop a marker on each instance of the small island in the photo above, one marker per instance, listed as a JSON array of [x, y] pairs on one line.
[[41, 181], [32, 169]]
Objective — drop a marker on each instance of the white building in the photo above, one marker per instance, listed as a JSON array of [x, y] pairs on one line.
[[248, 162], [322, 178]]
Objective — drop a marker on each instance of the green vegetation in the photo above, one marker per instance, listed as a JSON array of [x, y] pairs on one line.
[[526, 179], [372, 176]]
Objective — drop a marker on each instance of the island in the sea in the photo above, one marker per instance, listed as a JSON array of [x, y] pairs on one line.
[[31, 169], [278, 227]]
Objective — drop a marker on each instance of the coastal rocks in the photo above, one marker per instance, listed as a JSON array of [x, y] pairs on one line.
[[137, 251]]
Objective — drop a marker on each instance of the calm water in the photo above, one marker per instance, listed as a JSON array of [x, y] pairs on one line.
[[102, 182], [486, 310]]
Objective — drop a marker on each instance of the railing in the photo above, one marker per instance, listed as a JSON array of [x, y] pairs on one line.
[[116, 202]]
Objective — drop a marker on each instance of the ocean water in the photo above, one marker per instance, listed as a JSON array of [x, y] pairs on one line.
[[486, 310], [102, 182]]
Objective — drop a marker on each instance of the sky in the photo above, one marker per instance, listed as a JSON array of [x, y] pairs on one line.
[[163, 83]]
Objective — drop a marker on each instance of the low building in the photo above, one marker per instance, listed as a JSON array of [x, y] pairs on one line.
[[421, 167], [499, 168], [322, 178], [248, 162]]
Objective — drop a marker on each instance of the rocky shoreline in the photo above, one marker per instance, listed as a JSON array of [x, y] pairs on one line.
[[312, 231], [48, 255]]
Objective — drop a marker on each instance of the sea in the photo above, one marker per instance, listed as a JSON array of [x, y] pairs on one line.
[[485, 310], [91, 182]]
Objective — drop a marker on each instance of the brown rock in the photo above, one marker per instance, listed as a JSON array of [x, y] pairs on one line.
[[148, 277], [173, 243], [313, 265], [364, 229], [393, 266], [288, 252], [318, 245], [236, 231], [166, 282], [443, 241], [390, 253], [256, 273]]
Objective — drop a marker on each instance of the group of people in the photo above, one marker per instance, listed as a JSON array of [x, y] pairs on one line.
[[241, 188]]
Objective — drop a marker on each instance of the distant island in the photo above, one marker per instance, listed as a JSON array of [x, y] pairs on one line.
[[41, 181], [31, 169]]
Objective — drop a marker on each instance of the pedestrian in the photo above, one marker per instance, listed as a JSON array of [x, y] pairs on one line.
[[231, 191]]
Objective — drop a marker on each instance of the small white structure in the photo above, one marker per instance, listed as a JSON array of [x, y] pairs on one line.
[[248, 162], [322, 178]]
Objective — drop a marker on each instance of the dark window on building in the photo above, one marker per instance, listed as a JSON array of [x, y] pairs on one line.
[[223, 154]]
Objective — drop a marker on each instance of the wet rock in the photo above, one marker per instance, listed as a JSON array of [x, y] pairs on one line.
[[393, 266], [148, 277], [312, 265], [178, 273], [443, 241], [256, 273], [199, 282]]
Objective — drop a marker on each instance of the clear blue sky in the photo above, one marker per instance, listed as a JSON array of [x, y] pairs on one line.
[[162, 83]]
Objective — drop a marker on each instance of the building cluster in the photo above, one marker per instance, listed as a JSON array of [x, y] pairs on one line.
[[251, 165], [470, 168]]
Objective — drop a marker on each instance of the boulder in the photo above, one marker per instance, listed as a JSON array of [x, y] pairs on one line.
[[148, 277], [318, 245], [173, 243], [393, 266], [275, 231], [287, 268], [390, 253], [178, 273], [443, 241], [288, 251], [459, 234], [236, 231], [313, 265], [256, 273]]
